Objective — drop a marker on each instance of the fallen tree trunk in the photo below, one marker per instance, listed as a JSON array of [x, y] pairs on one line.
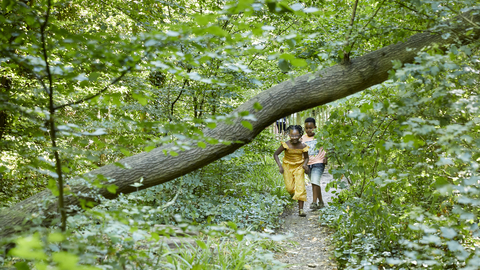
[[281, 100]]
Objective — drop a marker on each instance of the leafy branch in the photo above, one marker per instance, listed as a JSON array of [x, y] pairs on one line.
[[414, 10], [465, 18], [366, 24], [116, 80], [270, 43], [51, 121]]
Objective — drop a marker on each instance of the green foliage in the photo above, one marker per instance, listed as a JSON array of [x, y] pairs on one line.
[[123, 245], [121, 233], [250, 192], [86, 83], [409, 153]]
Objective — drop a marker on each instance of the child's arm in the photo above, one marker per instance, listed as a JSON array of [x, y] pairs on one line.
[[275, 156], [305, 162]]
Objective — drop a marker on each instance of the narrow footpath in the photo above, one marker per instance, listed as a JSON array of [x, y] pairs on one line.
[[309, 247]]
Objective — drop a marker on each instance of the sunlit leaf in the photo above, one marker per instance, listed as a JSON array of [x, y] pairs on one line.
[[247, 125]]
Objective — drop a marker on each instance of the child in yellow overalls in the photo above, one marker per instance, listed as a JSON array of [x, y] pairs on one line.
[[294, 165]]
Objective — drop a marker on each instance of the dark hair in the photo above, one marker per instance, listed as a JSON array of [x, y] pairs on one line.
[[295, 127], [310, 120]]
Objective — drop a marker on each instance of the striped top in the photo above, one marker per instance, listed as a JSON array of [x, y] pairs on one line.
[[314, 155]]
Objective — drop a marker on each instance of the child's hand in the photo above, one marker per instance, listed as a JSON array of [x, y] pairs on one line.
[[306, 168], [280, 170]]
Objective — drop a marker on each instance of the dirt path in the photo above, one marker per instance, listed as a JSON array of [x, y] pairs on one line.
[[309, 247]]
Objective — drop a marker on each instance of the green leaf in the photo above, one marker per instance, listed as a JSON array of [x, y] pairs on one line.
[[52, 185], [112, 188], [441, 181], [22, 266], [94, 76], [247, 125], [272, 5], [257, 106], [232, 225], [448, 232], [298, 62], [149, 148], [65, 169], [287, 56], [244, 113], [239, 236], [283, 65], [216, 30], [120, 165], [201, 244], [30, 248], [203, 20], [140, 98], [173, 153], [125, 152], [56, 237], [396, 64], [212, 125], [201, 144], [65, 260], [116, 99], [285, 8], [211, 140]]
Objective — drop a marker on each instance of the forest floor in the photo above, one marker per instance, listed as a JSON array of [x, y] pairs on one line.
[[310, 245]]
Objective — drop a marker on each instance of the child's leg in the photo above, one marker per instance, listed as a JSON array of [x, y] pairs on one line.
[[299, 181], [316, 174], [300, 204], [317, 194], [288, 179]]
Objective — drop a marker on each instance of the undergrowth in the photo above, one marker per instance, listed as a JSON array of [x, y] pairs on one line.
[[233, 205]]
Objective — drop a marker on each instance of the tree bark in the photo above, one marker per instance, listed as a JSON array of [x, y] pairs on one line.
[[304, 92]]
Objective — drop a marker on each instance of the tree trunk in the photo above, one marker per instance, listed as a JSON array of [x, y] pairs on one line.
[[5, 85], [305, 92]]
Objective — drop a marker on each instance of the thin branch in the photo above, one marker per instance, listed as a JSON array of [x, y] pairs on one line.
[[461, 15], [44, 49], [371, 137], [385, 130], [375, 165], [51, 121], [363, 185], [30, 72], [178, 97], [346, 55], [352, 19], [415, 30], [98, 93], [368, 22], [375, 14], [414, 10], [269, 44]]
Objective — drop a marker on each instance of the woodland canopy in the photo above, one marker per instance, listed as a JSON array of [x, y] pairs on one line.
[[170, 102]]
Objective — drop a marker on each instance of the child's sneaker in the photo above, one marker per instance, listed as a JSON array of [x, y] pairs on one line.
[[320, 205], [301, 213], [314, 206]]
